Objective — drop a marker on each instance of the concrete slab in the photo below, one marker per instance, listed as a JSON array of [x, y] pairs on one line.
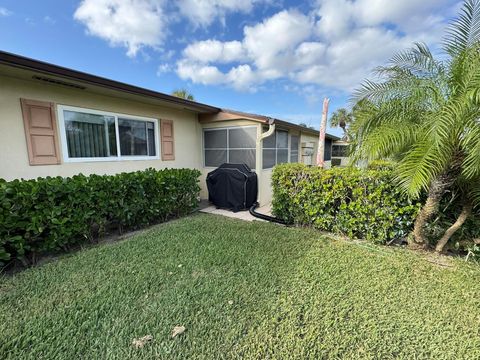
[[242, 215]]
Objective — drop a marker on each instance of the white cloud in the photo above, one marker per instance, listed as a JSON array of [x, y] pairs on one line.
[[4, 12], [402, 13], [270, 44], [163, 68], [241, 77], [308, 53], [346, 63], [337, 18], [336, 45], [135, 24], [203, 74], [270, 58], [205, 12], [130, 23], [215, 51]]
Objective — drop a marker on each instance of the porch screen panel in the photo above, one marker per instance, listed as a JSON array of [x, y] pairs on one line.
[[275, 149], [215, 139], [294, 149], [282, 147], [242, 157], [233, 145], [215, 157], [269, 151], [242, 145], [269, 142], [269, 158], [215, 147], [243, 138]]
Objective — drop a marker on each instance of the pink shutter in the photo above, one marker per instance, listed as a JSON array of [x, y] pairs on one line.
[[168, 146], [40, 132]]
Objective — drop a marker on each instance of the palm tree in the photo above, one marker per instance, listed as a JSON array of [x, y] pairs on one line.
[[306, 126], [184, 94], [342, 118], [425, 112]]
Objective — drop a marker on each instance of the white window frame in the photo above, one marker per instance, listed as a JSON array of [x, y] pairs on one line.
[[227, 149], [119, 157], [277, 148]]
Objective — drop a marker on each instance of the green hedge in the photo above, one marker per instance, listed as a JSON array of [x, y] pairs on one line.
[[381, 165], [364, 204], [53, 213]]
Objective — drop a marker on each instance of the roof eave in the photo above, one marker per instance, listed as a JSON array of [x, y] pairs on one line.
[[22, 62], [265, 119]]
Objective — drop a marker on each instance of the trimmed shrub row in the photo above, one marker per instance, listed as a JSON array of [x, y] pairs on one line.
[[53, 213], [363, 204]]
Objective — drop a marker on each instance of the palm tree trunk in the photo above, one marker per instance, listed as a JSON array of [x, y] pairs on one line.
[[321, 136], [466, 211], [436, 191], [429, 209]]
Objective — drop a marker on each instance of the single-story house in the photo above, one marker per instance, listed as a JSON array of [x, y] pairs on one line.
[[56, 121], [340, 149]]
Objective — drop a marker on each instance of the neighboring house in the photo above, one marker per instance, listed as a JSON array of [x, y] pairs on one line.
[[56, 121], [234, 136], [340, 153]]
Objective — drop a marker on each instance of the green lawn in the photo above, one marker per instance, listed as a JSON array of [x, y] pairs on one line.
[[242, 290]]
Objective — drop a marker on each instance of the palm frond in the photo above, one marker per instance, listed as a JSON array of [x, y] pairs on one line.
[[474, 194], [418, 60], [465, 30], [465, 74], [387, 141], [402, 84], [443, 126], [424, 111], [420, 165], [471, 146]]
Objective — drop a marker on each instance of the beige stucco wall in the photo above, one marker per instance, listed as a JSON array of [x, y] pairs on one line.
[[344, 161], [265, 187], [14, 161], [314, 139]]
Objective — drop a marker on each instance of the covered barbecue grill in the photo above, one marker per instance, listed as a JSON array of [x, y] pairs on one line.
[[232, 186]]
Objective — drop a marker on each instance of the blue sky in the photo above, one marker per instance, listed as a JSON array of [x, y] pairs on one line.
[[277, 58]]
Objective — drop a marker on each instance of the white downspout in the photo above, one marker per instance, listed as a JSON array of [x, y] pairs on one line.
[[259, 151]]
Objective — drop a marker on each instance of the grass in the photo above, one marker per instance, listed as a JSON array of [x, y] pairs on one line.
[[242, 290]]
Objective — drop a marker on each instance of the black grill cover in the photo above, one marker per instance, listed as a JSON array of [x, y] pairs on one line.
[[232, 186]]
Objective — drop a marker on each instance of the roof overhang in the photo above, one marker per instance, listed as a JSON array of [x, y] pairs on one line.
[[231, 115], [30, 69], [74, 77]]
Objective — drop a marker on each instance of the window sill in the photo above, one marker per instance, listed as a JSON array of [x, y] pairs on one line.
[[111, 159]]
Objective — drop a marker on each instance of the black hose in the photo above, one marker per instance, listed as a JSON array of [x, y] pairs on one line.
[[263, 216]]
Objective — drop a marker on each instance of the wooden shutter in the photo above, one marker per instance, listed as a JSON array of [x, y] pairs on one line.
[[166, 134], [40, 132]]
